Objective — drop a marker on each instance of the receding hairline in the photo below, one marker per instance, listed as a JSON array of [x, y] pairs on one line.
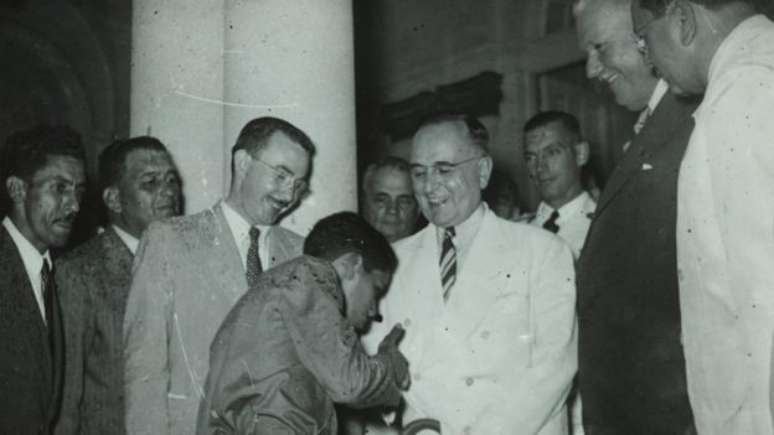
[[459, 126]]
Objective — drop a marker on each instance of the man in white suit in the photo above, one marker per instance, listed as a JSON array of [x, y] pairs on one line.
[[488, 305]]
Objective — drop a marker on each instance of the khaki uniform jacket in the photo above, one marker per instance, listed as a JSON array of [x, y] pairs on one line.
[[285, 353]]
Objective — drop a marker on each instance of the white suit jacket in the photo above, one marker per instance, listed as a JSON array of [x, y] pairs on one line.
[[499, 356]]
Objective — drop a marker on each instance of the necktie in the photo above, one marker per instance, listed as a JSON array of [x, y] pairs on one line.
[[48, 286], [550, 224], [254, 267], [448, 262]]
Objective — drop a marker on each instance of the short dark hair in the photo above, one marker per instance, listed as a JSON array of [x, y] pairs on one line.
[[346, 232], [476, 130], [112, 160], [256, 133], [27, 151], [542, 119], [389, 162]]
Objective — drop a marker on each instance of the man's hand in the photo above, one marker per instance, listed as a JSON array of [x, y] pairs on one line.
[[389, 347], [390, 341]]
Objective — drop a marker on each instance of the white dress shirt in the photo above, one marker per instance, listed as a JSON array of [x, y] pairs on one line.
[[240, 229], [129, 240], [574, 220], [464, 234], [658, 93], [725, 237], [33, 261]]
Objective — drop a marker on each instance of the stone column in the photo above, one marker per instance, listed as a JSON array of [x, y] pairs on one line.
[[208, 67]]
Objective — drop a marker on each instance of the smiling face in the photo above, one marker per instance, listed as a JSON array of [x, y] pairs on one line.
[[389, 203], [448, 195], [605, 33], [554, 157], [46, 205], [149, 190], [259, 193]]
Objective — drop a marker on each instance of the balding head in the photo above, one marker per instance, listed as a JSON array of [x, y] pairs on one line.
[[605, 33]]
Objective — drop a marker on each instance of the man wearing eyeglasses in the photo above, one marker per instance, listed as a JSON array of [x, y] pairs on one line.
[[388, 198], [190, 271], [631, 367], [488, 305], [725, 226]]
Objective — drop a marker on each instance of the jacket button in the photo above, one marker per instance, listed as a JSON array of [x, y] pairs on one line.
[[469, 381]]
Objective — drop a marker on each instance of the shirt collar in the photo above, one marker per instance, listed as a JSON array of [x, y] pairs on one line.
[[573, 207], [240, 228], [129, 240], [658, 93], [465, 231], [32, 259], [735, 44]]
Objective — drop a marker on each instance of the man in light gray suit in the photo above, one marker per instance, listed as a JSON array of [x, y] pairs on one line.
[[190, 271]]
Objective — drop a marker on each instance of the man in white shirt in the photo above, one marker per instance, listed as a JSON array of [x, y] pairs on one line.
[[725, 204], [555, 153], [631, 368], [140, 184], [488, 305], [44, 178], [190, 271]]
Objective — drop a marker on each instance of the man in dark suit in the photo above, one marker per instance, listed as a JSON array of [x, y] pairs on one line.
[[190, 271], [289, 349], [631, 366], [140, 184], [44, 178]]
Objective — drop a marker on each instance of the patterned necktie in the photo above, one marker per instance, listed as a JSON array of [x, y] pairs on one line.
[[48, 287], [550, 224], [254, 267], [448, 262]]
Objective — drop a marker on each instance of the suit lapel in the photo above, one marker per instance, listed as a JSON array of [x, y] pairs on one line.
[[118, 269], [30, 318], [479, 281], [281, 248], [667, 117], [228, 264]]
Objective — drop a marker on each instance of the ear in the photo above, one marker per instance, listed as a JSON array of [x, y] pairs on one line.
[[581, 153], [682, 13], [242, 161], [111, 196], [347, 266], [17, 189], [484, 171]]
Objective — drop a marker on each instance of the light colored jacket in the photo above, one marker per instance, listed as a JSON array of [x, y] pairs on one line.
[[500, 355], [187, 276]]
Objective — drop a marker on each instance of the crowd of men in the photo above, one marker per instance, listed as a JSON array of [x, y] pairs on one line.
[[646, 311]]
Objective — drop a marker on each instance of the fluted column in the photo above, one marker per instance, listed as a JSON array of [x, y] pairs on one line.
[[202, 69]]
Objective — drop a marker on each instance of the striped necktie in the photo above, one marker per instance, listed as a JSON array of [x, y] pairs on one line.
[[448, 262]]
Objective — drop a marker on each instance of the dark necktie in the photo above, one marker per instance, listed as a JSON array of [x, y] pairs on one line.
[[48, 287], [448, 262], [550, 224], [254, 267]]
